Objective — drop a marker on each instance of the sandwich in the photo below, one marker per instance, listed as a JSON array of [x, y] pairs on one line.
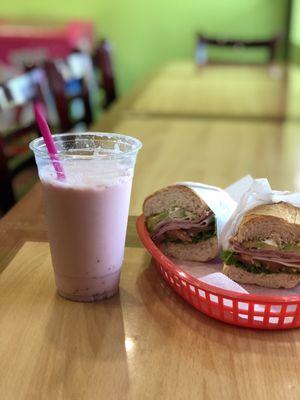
[[181, 223], [265, 249]]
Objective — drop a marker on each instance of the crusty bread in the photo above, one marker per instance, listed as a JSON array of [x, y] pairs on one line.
[[202, 251], [175, 195], [279, 221], [275, 281]]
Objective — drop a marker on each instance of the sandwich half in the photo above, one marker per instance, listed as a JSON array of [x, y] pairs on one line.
[[265, 250], [181, 223]]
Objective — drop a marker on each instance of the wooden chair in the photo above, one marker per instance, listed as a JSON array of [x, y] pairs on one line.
[[102, 59], [78, 78], [203, 41], [17, 128], [97, 70], [67, 90], [82, 85]]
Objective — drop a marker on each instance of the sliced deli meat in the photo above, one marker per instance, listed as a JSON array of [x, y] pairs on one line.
[[191, 227], [286, 258], [181, 223]]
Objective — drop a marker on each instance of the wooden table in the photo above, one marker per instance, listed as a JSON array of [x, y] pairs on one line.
[[146, 342], [251, 92], [216, 152]]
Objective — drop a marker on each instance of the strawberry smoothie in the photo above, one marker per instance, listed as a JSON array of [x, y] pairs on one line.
[[87, 219]]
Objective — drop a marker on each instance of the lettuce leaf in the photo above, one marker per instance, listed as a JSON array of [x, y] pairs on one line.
[[207, 234], [229, 258], [265, 244], [172, 213], [290, 247], [204, 236], [155, 219]]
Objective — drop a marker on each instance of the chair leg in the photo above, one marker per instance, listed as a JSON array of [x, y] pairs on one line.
[[103, 61], [7, 197], [88, 117]]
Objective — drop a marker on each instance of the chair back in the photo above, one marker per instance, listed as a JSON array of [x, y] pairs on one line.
[[103, 63], [83, 85], [71, 95], [17, 129], [204, 41]]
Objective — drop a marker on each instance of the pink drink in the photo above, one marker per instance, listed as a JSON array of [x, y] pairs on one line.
[[87, 219], [87, 229]]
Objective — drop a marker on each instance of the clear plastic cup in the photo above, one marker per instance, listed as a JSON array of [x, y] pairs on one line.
[[87, 211]]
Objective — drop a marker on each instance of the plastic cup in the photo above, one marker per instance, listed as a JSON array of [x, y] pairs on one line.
[[87, 212]]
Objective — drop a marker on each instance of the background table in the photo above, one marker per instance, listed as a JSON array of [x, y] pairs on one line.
[[215, 152], [146, 342], [253, 92]]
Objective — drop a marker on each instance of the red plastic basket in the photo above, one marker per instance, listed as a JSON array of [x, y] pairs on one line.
[[246, 310]]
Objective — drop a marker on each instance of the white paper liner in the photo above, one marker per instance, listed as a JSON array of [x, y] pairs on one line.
[[211, 273], [237, 189]]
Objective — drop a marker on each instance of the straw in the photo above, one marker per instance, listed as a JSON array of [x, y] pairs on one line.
[[46, 133]]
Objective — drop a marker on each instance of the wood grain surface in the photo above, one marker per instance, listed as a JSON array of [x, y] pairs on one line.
[[293, 92], [214, 152], [145, 343], [183, 89]]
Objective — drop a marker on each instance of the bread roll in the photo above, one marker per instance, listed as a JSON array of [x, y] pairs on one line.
[[268, 239], [185, 198], [275, 281]]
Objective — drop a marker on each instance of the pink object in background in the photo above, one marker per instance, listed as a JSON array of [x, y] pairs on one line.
[[31, 42]]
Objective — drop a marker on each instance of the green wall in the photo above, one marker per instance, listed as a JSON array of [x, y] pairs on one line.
[[295, 31], [147, 33], [295, 26]]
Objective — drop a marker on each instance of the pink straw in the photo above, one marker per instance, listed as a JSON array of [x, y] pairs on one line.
[[46, 133]]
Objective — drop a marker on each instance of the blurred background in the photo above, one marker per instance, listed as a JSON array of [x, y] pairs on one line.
[[146, 34], [78, 58]]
